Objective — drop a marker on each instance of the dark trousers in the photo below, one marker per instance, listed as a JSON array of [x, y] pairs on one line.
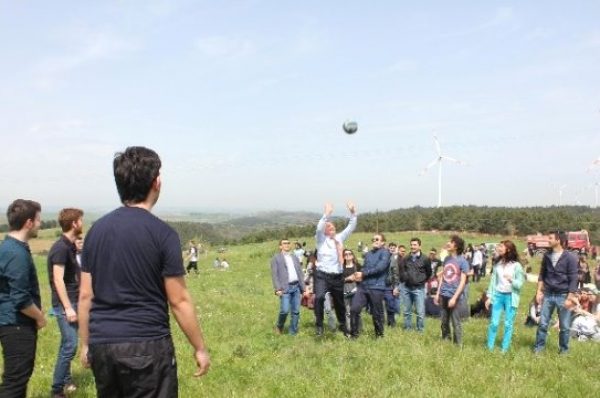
[[140, 369], [451, 315], [476, 273], [18, 349], [334, 284], [192, 265], [361, 298]]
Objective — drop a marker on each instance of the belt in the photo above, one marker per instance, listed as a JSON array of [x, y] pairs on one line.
[[293, 283], [330, 274]]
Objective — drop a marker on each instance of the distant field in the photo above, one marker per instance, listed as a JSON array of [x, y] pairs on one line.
[[237, 309]]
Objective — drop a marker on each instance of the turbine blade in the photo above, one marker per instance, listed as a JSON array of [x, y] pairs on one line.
[[430, 165], [594, 164], [437, 146], [453, 160]]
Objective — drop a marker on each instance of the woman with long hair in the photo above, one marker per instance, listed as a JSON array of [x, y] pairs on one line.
[[504, 293], [349, 265]]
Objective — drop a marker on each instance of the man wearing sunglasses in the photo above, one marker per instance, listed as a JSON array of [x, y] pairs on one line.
[[371, 290], [329, 276]]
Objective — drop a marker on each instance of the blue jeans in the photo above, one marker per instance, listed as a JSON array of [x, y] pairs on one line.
[[502, 302], [391, 307], [290, 300], [414, 296], [66, 351], [550, 302]]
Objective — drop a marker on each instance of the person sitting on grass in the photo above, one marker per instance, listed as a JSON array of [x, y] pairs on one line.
[[431, 308], [478, 308], [586, 318]]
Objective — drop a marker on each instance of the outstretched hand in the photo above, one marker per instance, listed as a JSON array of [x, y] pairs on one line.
[[328, 209], [351, 207]]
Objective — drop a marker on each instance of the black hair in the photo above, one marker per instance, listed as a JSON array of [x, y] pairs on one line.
[[135, 170], [20, 211], [459, 243]]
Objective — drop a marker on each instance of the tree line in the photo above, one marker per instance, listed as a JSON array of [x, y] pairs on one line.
[[48, 224], [488, 220]]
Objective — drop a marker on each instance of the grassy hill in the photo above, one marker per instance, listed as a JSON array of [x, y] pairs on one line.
[[237, 309]]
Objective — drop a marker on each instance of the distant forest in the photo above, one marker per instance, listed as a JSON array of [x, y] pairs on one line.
[[488, 220], [45, 225]]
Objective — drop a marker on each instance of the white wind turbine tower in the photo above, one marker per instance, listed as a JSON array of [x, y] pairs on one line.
[[560, 188], [592, 166], [440, 158], [596, 186]]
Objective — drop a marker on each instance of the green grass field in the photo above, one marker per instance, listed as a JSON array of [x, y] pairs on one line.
[[237, 309]]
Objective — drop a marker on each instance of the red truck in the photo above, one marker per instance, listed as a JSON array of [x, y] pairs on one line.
[[578, 241]]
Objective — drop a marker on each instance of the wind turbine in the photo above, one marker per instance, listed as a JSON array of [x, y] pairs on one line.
[[560, 188], [595, 185], [440, 158], [594, 164]]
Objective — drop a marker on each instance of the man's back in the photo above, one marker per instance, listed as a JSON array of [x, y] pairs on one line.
[[128, 253]]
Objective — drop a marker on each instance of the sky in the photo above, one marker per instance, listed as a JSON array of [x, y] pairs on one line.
[[244, 101]]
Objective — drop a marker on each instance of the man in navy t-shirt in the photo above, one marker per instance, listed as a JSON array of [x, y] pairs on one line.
[[132, 270], [63, 273]]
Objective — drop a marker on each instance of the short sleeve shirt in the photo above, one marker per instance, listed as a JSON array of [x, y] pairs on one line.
[[454, 266], [128, 253], [63, 253]]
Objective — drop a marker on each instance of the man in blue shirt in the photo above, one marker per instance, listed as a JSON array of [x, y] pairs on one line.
[[557, 285], [371, 289], [20, 303], [132, 272]]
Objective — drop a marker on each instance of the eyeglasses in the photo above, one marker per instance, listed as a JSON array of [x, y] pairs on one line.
[[348, 254], [375, 240], [285, 243]]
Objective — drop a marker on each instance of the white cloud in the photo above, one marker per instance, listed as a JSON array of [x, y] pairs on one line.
[[91, 48], [222, 47]]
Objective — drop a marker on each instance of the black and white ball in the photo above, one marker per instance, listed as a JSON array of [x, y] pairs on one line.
[[350, 126]]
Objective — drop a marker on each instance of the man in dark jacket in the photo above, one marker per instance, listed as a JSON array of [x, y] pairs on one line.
[[372, 276], [557, 285], [288, 282], [415, 270]]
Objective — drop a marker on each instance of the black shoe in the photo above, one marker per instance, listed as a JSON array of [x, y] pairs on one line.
[[319, 331]]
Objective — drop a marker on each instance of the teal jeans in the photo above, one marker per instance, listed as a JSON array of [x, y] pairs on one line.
[[502, 302]]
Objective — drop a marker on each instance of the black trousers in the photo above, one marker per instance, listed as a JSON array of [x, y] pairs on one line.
[[334, 284], [362, 297], [137, 369], [18, 351]]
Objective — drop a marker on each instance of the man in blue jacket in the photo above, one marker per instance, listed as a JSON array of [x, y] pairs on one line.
[[20, 302], [557, 285], [288, 282], [372, 286]]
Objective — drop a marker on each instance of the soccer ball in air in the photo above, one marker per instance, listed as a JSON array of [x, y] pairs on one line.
[[350, 126]]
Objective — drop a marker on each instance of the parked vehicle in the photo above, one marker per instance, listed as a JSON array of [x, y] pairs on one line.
[[577, 241]]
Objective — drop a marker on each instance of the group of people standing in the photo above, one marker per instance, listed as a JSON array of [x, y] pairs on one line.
[[353, 286], [114, 307]]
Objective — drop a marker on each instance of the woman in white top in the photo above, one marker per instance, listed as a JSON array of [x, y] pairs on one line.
[[504, 293]]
